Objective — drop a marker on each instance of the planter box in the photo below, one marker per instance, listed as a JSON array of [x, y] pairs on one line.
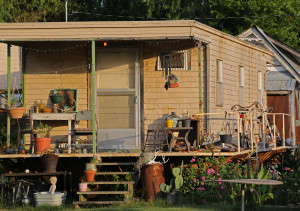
[[44, 198]]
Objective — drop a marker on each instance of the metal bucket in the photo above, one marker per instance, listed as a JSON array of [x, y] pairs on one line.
[[45, 198], [226, 138], [152, 177]]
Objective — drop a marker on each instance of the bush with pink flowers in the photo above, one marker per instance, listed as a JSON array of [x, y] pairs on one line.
[[199, 171]]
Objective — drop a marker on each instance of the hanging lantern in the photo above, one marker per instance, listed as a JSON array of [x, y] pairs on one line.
[[105, 43]]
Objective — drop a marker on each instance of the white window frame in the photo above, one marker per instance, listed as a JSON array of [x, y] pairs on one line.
[[185, 65], [219, 81], [259, 80], [241, 76]]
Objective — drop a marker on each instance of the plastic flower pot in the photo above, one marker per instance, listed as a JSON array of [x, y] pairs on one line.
[[90, 175], [16, 113], [41, 144], [82, 187]]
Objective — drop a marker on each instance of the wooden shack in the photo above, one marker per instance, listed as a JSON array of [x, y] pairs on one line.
[[119, 71]]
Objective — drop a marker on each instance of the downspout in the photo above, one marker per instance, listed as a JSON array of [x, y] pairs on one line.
[[208, 82], [94, 96], [23, 89], [8, 96], [200, 91]]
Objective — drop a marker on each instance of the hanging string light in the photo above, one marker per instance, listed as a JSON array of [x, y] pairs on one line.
[[55, 50]]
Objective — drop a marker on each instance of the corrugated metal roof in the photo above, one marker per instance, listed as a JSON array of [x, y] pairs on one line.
[[280, 81]]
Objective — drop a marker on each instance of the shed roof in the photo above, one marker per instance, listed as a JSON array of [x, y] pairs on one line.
[[280, 81], [286, 55], [112, 30]]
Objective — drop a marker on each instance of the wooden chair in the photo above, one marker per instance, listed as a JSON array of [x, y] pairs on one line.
[[27, 128], [86, 131]]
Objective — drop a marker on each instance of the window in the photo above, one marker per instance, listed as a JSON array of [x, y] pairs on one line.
[[241, 84], [219, 87], [179, 60], [259, 87]]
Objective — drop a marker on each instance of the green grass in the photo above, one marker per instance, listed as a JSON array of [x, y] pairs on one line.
[[140, 205]]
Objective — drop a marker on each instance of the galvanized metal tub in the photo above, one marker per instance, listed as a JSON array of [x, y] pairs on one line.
[[45, 198]]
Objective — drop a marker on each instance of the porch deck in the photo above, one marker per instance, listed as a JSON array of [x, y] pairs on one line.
[[159, 154]]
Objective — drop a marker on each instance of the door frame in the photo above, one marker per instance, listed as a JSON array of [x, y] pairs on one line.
[[118, 92]]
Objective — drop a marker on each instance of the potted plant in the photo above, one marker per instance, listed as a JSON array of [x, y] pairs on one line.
[[16, 109], [43, 139], [82, 186], [49, 161], [90, 170], [56, 98], [175, 185]]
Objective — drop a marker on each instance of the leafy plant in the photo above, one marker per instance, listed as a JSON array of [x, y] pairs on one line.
[[43, 130], [258, 194], [176, 182]]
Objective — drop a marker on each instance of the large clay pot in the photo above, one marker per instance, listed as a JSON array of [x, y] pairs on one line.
[[152, 177], [90, 175], [41, 144], [16, 113], [49, 162]]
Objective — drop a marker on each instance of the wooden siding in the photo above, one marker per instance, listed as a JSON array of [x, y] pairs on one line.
[[158, 102], [59, 70], [16, 66]]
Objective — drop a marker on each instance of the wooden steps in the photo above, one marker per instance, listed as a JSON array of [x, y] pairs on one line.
[[104, 194], [112, 173], [110, 182], [98, 202], [116, 164]]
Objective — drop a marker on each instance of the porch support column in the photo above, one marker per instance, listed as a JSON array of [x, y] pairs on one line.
[[23, 90], [94, 95], [8, 95], [200, 93]]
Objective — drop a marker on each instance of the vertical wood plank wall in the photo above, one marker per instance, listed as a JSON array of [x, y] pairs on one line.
[[41, 77]]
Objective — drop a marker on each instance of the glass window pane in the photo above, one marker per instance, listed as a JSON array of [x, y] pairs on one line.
[[115, 70], [116, 112]]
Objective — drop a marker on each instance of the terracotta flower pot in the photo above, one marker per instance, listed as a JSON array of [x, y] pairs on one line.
[[41, 144], [90, 175], [82, 187], [16, 113]]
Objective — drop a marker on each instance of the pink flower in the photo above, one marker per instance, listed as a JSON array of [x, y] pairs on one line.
[[286, 168], [208, 171], [229, 160], [219, 179], [193, 160], [218, 175], [203, 188], [292, 170], [202, 183], [221, 187], [203, 178], [219, 183], [203, 201], [194, 180], [199, 188], [238, 161], [212, 171]]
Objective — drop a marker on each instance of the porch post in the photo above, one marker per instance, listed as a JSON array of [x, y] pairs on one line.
[[94, 96], [8, 96]]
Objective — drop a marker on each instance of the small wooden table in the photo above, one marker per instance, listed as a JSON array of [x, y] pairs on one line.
[[57, 116], [249, 182], [184, 130]]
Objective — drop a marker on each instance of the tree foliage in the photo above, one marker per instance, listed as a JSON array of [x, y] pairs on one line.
[[278, 18]]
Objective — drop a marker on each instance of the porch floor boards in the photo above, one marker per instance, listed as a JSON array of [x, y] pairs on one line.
[[138, 154]]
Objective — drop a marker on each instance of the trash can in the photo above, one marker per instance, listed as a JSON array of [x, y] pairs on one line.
[[152, 177]]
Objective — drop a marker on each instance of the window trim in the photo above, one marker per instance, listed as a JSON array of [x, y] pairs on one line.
[[186, 60]]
